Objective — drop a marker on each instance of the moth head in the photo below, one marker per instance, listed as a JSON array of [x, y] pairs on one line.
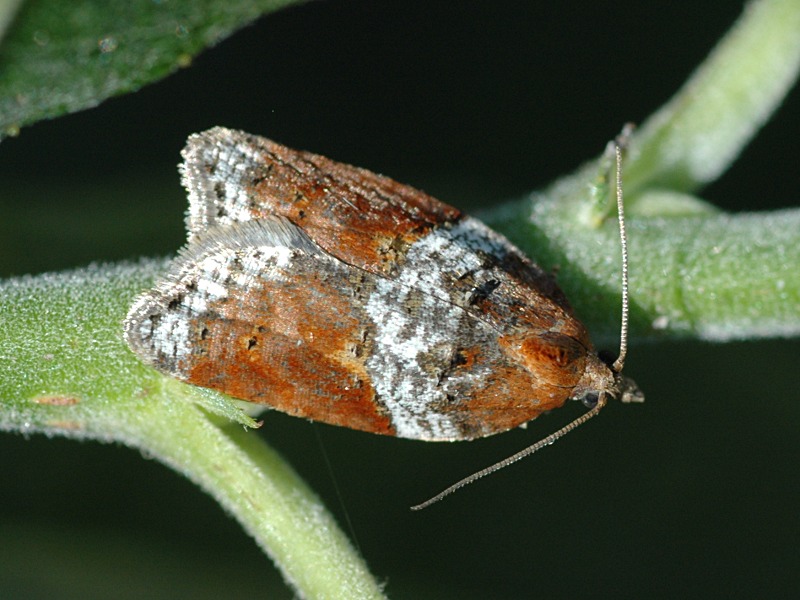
[[605, 381]]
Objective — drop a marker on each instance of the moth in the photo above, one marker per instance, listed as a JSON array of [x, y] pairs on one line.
[[338, 295]]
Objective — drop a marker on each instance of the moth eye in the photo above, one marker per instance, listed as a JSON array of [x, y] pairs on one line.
[[590, 400]]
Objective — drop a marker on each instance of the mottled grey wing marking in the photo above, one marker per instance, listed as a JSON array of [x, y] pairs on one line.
[[157, 327]]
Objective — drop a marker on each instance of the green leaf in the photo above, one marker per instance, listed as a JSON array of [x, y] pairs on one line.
[[61, 57]]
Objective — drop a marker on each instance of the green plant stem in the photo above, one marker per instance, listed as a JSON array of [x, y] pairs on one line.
[[713, 277], [253, 483], [695, 272], [695, 137], [8, 10]]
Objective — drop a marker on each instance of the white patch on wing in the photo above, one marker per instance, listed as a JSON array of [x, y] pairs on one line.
[[218, 165], [407, 340], [163, 322]]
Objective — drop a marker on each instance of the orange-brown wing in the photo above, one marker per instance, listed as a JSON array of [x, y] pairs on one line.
[[259, 311], [365, 220], [362, 218]]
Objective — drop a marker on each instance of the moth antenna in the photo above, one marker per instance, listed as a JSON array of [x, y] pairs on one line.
[[617, 146], [601, 402]]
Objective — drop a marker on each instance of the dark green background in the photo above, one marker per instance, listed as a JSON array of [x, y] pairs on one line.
[[692, 494]]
